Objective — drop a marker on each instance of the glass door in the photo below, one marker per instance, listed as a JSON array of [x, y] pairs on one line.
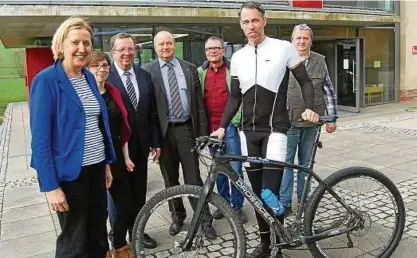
[[349, 74]]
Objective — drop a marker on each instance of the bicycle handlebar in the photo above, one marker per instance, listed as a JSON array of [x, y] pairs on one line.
[[322, 120], [327, 119], [212, 142], [203, 141]]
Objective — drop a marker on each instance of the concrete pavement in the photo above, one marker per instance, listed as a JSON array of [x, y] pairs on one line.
[[382, 137]]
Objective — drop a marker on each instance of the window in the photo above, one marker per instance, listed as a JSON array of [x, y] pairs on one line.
[[379, 65]]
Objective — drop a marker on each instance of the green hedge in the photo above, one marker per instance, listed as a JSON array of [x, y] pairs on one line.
[[11, 90]]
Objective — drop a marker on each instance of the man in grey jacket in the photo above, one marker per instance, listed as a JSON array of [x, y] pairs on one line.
[[301, 135]]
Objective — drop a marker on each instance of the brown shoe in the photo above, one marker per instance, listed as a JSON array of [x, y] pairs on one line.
[[123, 252]]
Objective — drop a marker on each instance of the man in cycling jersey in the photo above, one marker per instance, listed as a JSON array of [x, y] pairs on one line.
[[260, 73]]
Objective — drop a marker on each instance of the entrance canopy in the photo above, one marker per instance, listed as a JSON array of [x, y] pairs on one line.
[[23, 25]]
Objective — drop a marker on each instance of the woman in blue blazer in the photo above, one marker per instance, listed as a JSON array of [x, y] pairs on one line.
[[71, 143]]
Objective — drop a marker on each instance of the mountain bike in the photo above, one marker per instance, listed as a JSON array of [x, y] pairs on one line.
[[354, 211]]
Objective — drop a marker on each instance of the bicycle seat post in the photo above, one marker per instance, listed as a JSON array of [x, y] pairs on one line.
[[317, 144]]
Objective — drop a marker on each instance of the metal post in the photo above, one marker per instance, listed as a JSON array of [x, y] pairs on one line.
[[397, 62]]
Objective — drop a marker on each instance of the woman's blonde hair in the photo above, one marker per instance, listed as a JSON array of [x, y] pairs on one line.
[[73, 23]]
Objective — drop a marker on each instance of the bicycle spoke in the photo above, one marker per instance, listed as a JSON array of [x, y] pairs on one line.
[[156, 224], [377, 208]]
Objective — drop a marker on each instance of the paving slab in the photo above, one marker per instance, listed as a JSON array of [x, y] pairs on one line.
[[28, 246], [412, 205], [25, 212], [45, 255], [405, 124], [397, 175], [27, 227], [407, 166], [20, 197], [392, 159], [406, 248]]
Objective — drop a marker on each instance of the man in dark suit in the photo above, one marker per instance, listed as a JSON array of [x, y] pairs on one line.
[[136, 88], [182, 118]]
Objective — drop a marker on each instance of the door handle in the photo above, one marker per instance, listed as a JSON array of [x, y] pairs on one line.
[[354, 77]]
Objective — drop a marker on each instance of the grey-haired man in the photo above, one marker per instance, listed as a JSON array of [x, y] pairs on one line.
[[301, 135]]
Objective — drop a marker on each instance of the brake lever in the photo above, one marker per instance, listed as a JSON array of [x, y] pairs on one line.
[[197, 145], [193, 148]]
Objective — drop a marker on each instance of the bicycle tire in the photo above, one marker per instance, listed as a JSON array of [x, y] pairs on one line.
[[348, 173], [194, 191]]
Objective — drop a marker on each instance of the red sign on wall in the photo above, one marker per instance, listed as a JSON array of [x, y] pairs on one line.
[[414, 50], [307, 3]]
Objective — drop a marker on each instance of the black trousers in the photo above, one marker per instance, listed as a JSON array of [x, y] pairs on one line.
[[176, 149], [138, 182], [84, 232], [123, 204], [255, 144]]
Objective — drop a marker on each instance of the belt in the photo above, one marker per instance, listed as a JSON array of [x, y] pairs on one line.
[[188, 122]]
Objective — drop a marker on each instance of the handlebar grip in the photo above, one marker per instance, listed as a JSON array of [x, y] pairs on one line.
[[323, 119]]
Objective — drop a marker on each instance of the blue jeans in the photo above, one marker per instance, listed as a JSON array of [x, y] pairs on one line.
[[111, 209], [303, 139], [235, 198]]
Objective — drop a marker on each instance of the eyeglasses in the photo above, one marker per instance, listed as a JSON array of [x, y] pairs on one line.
[[122, 50], [213, 49], [98, 67]]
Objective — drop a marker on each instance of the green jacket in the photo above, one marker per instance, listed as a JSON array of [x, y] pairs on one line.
[[202, 72]]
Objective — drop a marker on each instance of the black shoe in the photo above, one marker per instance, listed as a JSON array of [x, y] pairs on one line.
[[218, 214], [148, 242], [175, 227], [241, 216], [263, 251], [210, 232]]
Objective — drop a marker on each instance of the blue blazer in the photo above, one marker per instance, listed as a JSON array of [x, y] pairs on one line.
[[57, 124]]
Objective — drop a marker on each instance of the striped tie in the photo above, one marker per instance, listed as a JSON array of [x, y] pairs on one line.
[[174, 90], [131, 90]]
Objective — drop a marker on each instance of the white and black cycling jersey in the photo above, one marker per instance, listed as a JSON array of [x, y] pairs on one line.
[[259, 82], [264, 65]]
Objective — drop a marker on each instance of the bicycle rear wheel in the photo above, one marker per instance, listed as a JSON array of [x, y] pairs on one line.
[[154, 219], [379, 203]]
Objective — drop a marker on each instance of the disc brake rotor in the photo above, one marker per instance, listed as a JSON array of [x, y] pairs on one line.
[[178, 242], [364, 226]]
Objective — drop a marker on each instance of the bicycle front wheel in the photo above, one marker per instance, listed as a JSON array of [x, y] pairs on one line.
[[154, 219], [374, 197]]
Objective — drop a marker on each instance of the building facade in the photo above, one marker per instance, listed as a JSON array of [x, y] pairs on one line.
[[368, 45]]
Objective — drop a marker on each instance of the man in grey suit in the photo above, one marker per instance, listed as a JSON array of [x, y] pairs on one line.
[[182, 118]]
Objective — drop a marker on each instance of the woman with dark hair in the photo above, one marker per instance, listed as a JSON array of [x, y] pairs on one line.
[[98, 63]]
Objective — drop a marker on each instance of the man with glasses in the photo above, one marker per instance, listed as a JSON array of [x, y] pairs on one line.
[[215, 86], [136, 87]]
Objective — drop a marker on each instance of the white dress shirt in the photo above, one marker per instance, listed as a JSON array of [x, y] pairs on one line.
[[132, 78]]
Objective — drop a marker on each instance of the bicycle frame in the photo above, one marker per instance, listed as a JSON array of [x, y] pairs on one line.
[[221, 165]]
